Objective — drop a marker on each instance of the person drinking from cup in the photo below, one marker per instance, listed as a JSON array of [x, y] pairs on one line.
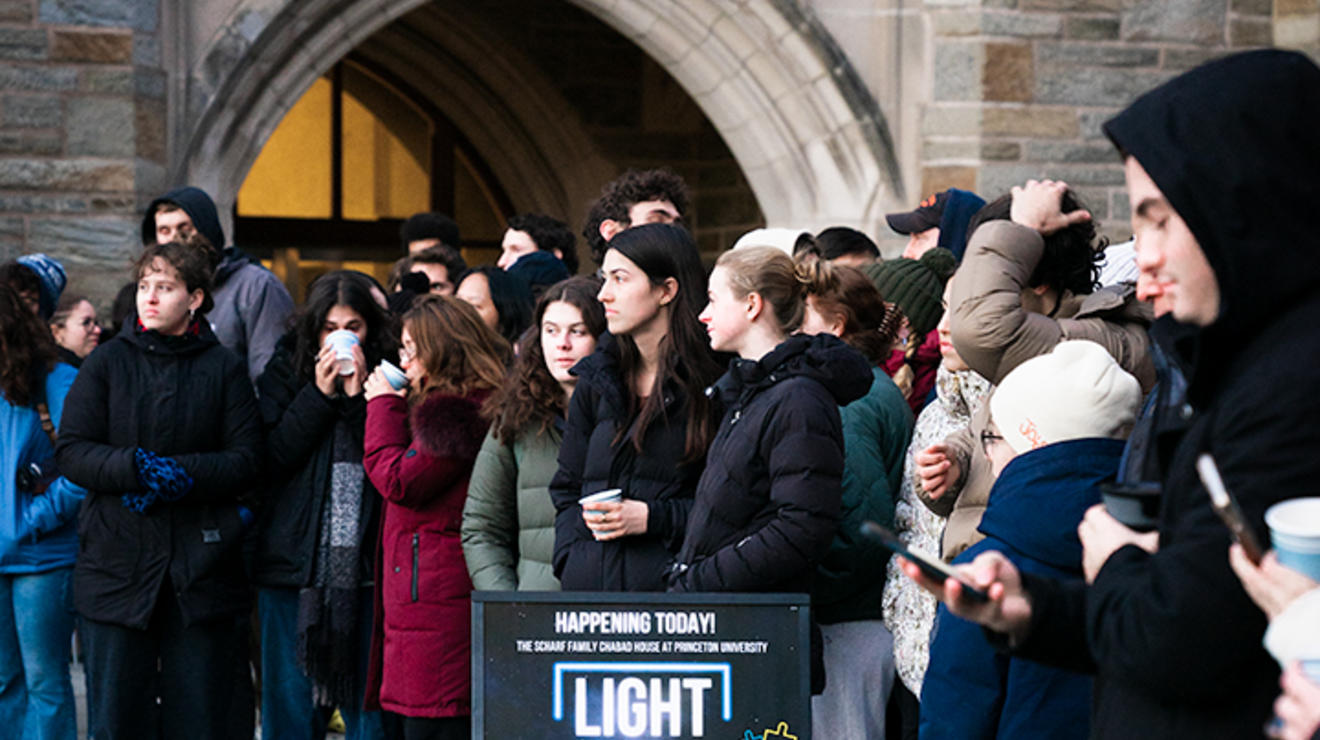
[[1216, 161], [316, 536], [162, 428], [1055, 432], [420, 444], [509, 519], [639, 419]]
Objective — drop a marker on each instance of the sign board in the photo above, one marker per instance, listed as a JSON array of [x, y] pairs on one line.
[[551, 666]]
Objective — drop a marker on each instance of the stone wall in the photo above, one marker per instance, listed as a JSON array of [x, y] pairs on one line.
[[82, 109], [1021, 87]]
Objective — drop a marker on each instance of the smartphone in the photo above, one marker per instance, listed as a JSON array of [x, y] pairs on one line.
[[1227, 508], [930, 565]]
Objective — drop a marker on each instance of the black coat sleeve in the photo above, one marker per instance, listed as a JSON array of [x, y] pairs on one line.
[[802, 443], [226, 473], [82, 448], [296, 419], [572, 538]]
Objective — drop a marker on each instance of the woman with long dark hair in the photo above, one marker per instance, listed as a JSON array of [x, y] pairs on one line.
[[509, 519], [162, 429], [37, 539], [420, 444], [316, 536], [503, 301], [639, 419]]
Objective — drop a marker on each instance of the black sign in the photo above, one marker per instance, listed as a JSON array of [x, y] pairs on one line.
[[547, 666]]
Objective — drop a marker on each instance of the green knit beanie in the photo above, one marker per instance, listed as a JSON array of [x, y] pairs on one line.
[[915, 286]]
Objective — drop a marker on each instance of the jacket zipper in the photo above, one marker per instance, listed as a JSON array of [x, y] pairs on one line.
[[416, 559]]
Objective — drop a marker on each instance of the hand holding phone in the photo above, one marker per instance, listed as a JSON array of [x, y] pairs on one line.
[[931, 566]]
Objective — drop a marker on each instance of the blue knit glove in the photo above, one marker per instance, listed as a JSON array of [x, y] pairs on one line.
[[162, 479]]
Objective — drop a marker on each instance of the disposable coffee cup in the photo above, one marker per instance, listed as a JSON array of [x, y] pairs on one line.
[[600, 497], [396, 377], [343, 341], [1295, 534]]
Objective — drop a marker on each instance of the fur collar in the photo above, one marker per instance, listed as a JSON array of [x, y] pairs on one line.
[[449, 426]]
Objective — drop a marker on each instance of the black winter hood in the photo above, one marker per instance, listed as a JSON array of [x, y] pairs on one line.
[[1233, 145], [825, 358], [199, 207]]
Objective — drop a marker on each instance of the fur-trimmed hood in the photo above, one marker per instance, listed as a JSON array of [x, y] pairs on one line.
[[445, 425]]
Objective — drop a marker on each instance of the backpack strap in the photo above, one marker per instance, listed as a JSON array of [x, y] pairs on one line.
[[47, 425]]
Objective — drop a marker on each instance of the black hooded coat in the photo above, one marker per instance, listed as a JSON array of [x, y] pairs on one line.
[[1173, 639], [768, 502]]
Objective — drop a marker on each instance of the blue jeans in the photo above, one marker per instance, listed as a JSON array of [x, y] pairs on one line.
[[36, 625], [287, 709]]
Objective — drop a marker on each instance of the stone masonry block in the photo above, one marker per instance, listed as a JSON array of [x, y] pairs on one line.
[[16, 11], [108, 81], [1008, 75], [149, 83], [951, 120], [955, 23], [86, 243], [935, 179], [1092, 120], [1252, 7], [1182, 21], [1097, 55], [1070, 152], [1294, 7], [37, 79], [958, 70], [79, 175], [1181, 59], [137, 14], [1001, 150], [1084, 28], [23, 43], [1244, 32], [30, 142], [146, 50], [998, 178], [100, 127], [92, 46], [994, 23], [1032, 121], [32, 111], [934, 150], [1094, 85], [1073, 5]]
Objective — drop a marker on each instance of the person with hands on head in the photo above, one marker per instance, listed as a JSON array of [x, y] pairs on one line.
[[419, 448], [1215, 162], [316, 535], [162, 429], [639, 419]]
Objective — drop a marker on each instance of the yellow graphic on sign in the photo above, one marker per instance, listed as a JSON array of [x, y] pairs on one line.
[[779, 732]]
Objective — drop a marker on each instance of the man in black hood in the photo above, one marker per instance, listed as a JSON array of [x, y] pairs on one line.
[[1221, 164], [251, 304]]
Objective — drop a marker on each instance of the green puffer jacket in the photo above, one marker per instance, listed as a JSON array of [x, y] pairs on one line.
[[850, 579], [509, 520]]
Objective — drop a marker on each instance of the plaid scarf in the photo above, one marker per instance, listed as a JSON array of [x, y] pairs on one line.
[[328, 609]]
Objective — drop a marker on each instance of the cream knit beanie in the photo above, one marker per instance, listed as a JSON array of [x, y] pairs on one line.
[[1075, 391]]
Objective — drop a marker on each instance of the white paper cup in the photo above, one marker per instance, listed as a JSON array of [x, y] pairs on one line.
[[599, 497], [343, 341], [1295, 533], [397, 378]]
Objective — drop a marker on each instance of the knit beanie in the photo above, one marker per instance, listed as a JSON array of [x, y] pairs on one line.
[[52, 277], [1076, 391], [915, 286], [539, 270]]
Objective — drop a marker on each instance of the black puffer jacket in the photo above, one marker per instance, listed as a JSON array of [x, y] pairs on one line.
[[300, 426], [590, 461], [1172, 637], [768, 502], [186, 398]]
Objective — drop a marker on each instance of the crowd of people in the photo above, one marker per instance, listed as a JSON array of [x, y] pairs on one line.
[[239, 501]]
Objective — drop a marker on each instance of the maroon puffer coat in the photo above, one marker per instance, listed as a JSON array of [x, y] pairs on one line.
[[420, 463]]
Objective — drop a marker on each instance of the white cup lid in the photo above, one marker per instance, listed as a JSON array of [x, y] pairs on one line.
[[1299, 517], [609, 494]]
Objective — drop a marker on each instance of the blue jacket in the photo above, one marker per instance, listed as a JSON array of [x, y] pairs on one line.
[[36, 531], [971, 691]]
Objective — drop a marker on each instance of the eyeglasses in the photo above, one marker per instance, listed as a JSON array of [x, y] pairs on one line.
[[406, 355], [988, 438]]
